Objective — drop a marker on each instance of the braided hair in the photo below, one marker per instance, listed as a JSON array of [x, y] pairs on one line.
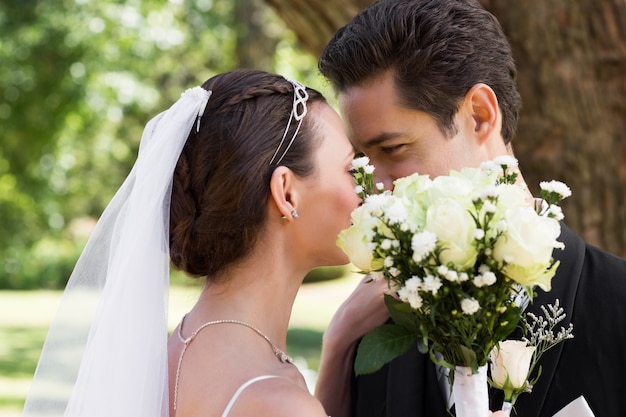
[[221, 182]]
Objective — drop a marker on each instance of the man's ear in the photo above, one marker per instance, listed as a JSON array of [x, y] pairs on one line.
[[483, 106], [283, 191]]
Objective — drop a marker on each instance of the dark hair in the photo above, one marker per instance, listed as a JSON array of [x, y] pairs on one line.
[[437, 49], [221, 181]]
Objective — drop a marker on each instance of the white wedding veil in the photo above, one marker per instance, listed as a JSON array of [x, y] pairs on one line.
[[106, 350]]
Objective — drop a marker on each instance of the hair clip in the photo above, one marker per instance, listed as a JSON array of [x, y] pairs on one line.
[[298, 111]]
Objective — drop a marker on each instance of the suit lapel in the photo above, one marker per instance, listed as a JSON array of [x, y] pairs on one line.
[[564, 287]]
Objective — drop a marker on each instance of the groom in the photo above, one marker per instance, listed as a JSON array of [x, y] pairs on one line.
[[427, 86]]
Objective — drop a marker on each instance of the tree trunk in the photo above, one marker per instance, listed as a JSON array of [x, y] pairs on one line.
[[315, 21], [571, 57], [254, 46]]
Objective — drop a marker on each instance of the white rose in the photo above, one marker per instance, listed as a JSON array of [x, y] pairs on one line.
[[481, 178], [457, 188], [512, 195], [412, 186], [353, 241], [412, 190], [527, 247], [454, 227], [356, 241], [510, 363]]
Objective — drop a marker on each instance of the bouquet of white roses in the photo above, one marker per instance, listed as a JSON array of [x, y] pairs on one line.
[[457, 252]]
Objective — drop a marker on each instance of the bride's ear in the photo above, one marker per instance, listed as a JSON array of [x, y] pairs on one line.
[[283, 192]]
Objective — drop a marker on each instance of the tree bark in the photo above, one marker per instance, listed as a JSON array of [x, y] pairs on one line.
[[571, 57], [254, 46], [315, 21]]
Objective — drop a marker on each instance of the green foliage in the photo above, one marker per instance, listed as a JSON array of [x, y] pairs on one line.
[[78, 81], [381, 345], [326, 273]]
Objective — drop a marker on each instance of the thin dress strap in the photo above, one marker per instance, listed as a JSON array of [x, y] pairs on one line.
[[245, 385]]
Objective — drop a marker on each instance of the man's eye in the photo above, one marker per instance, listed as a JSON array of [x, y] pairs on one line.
[[392, 149]]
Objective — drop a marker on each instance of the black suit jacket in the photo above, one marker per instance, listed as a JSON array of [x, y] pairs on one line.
[[591, 287]]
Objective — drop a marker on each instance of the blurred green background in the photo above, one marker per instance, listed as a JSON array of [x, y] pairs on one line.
[[78, 81]]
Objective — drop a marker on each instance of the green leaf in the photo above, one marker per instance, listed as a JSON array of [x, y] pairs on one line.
[[401, 313], [382, 345], [469, 358]]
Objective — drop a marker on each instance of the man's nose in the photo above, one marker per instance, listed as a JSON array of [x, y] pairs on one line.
[[384, 178]]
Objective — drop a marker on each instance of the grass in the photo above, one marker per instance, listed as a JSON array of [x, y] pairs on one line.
[[26, 315]]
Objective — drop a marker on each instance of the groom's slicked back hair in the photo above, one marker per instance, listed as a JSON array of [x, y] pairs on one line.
[[437, 50]]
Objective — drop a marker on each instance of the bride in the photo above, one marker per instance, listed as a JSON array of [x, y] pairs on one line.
[[258, 168]]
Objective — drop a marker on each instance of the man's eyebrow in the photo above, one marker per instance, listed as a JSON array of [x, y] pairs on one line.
[[380, 138]]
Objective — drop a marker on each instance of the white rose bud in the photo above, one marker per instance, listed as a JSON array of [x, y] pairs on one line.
[[510, 363]]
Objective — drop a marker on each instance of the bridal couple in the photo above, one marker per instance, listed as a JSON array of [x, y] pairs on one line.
[[245, 183]]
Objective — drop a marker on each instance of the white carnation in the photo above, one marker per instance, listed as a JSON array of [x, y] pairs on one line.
[[396, 212], [470, 305], [556, 187], [432, 284], [422, 244], [360, 162], [505, 160]]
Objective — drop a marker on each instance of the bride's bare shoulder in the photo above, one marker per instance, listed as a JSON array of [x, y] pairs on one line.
[[277, 397]]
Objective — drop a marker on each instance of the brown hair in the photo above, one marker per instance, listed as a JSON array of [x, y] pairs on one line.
[[221, 181], [437, 50]]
